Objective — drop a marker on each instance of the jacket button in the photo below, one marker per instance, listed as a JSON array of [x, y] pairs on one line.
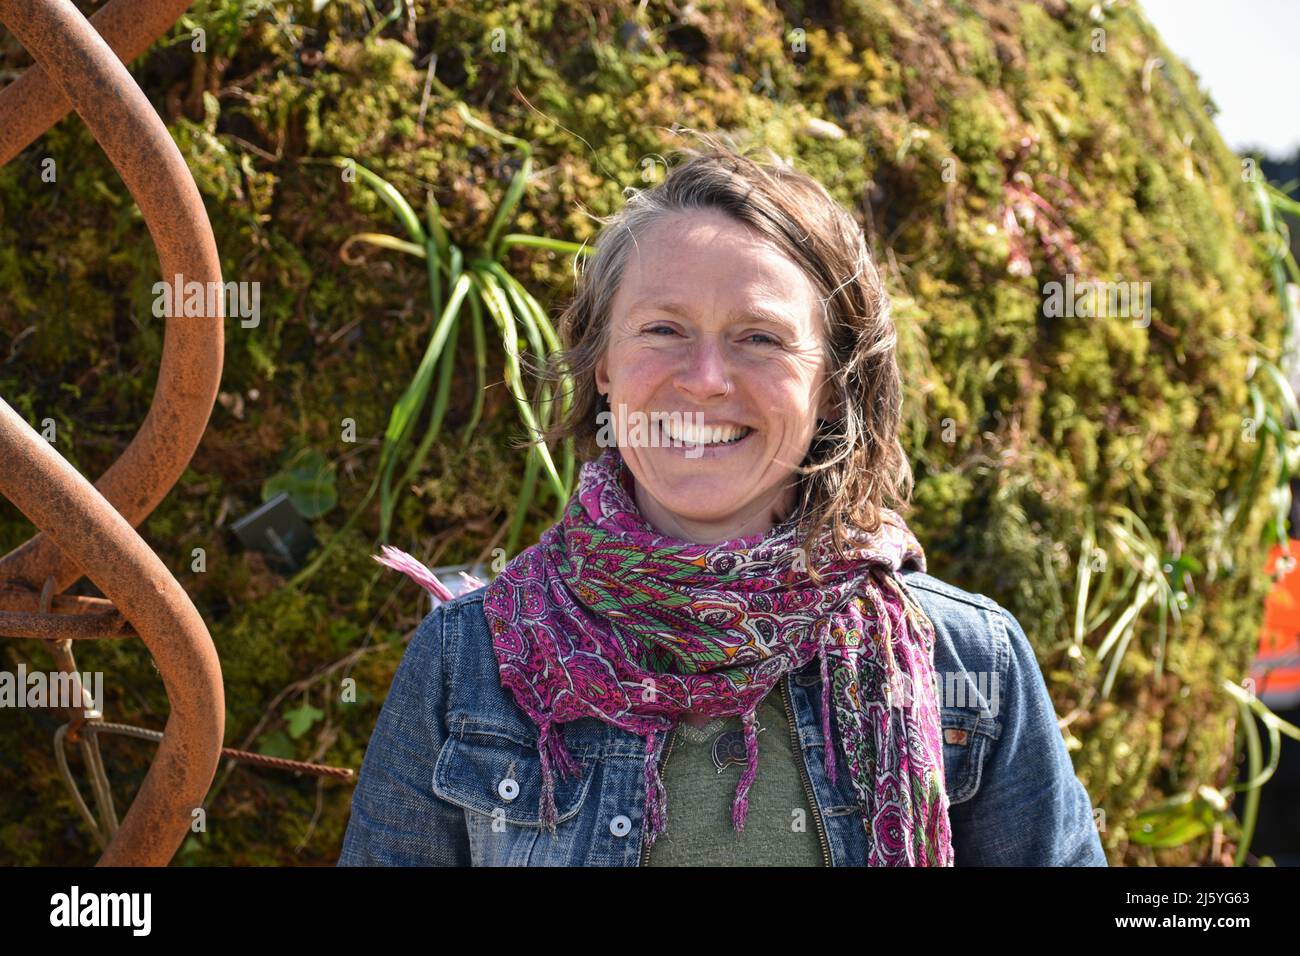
[[620, 826], [508, 789]]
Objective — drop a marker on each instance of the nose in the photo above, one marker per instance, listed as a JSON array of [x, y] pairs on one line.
[[706, 373]]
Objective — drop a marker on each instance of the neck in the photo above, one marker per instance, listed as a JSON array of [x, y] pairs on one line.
[[756, 519]]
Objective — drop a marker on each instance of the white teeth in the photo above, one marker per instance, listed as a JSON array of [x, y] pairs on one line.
[[705, 435]]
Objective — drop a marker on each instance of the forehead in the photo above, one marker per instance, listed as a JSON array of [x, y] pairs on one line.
[[710, 262]]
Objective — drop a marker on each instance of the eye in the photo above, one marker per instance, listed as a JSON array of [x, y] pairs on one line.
[[655, 328], [769, 340]]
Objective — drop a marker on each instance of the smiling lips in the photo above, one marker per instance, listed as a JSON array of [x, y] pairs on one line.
[[689, 434]]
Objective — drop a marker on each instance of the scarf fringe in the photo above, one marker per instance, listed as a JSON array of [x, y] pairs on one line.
[[553, 752], [828, 753], [740, 807], [896, 694], [656, 797]]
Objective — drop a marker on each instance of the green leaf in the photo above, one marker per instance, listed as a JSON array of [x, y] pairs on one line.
[[402, 419], [300, 719], [542, 242], [309, 482], [441, 399], [1283, 387], [394, 200], [526, 492], [191, 852], [433, 219], [276, 744], [343, 633], [480, 368], [498, 306], [383, 241], [1173, 822]]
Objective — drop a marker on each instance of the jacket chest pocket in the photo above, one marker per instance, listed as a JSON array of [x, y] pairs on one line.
[[498, 783], [967, 739]]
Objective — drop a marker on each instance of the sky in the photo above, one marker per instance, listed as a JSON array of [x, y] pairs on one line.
[[1246, 53]]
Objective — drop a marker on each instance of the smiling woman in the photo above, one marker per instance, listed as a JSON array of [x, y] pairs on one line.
[[740, 293], [747, 356], [737, 568]]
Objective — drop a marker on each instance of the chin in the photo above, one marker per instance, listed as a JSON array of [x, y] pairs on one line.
[[710, 500], [717, 510]]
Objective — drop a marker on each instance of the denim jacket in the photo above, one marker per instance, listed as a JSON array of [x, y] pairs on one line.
[[452, 777]]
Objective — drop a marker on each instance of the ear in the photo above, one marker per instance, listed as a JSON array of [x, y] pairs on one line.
[[602, 377], [828, 405]]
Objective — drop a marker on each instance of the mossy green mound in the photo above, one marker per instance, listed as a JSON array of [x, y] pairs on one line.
[[956, 121]]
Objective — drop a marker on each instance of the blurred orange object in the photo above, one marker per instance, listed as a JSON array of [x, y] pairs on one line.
[[1276, 669]]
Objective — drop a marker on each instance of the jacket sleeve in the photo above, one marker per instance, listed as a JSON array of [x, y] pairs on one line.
[[396, 818], [1030, 809]]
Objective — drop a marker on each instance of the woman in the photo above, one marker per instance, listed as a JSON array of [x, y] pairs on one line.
[[728, 588]]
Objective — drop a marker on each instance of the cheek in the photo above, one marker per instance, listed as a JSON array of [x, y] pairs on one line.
[[788, 392], [636, 369]]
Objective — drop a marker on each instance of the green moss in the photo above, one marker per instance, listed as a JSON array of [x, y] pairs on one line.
[[1019, 426]]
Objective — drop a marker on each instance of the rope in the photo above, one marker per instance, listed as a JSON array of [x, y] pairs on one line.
[[278, 763], [62, 760]]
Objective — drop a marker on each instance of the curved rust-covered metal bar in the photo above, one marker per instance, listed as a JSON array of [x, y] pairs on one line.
[[55, 497], [33, 103], [68, 50], [75, 517]]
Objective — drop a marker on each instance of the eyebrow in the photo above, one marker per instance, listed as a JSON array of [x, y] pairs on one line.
[[762, 313]]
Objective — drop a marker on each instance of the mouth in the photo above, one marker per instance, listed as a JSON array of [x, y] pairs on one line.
[[709, 448]]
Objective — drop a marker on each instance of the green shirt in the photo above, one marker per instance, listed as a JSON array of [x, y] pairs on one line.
[[780, 829]]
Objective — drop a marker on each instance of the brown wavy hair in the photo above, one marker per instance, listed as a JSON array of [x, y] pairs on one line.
[[855, 464]]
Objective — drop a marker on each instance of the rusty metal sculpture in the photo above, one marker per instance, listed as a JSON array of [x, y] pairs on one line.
[[89, 529]]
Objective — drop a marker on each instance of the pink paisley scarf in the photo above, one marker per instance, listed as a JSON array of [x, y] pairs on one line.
[[604, 617]]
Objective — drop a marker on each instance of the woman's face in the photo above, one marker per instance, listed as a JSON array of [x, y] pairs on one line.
[[712, 320]]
